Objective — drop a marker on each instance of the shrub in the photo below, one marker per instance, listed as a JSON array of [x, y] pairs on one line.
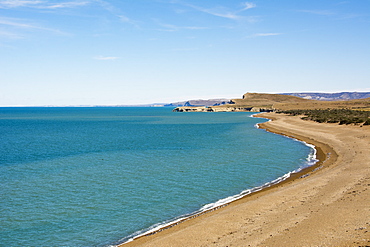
[[333, 121], [341, 116], [345, 121]]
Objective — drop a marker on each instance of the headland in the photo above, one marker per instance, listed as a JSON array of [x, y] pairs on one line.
[[263, 102]]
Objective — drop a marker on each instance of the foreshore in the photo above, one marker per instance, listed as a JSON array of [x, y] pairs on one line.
[[325, 205]]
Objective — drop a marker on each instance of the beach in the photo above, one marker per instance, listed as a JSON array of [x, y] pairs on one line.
[[325, 205]]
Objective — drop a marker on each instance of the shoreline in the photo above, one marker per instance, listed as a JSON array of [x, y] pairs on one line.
[[177, 234], [291, 175]]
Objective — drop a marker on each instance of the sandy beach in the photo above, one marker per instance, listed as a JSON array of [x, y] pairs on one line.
[[328, 206]]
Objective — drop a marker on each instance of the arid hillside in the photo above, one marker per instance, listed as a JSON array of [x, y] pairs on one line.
[[257, 102], [278, 102], [262, 100], [357, 104]]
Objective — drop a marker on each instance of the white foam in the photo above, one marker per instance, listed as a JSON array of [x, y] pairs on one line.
[[206, 208], [311, 160]]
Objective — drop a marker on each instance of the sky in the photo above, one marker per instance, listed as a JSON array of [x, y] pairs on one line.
[[120, 52]]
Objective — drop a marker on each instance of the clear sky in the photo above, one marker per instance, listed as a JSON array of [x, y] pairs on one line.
[[107, 52]]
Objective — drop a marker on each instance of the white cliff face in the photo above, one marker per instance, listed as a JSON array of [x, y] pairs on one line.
[[219, 109], [191, 109]]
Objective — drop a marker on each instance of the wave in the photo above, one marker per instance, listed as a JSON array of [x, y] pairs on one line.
[[310, 161]]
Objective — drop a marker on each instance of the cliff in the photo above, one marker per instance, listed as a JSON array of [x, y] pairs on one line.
[[220, 109], [250, 102], [255, 102], [199, 102]]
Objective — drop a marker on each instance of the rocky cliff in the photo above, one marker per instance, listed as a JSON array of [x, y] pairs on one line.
[[250, 102], [198, 103], [221, 109], [254, 102]]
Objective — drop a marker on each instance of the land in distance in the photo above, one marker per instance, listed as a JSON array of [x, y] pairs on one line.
[[257, 102]]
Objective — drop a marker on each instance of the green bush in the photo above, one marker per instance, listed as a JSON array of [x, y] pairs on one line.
[[333, 121], [345, 121]]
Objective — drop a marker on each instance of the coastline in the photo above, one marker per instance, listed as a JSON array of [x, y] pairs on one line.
[[257, 218], [312, 164]]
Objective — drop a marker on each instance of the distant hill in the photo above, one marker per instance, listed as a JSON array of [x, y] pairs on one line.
[[279, 102], [331, 96], [200, 102], [267, 100], [253, 99], [250, 102], [257, 102], [354, 104]]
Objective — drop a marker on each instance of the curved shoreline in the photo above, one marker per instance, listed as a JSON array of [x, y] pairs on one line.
[[176, 236], [291, 175]]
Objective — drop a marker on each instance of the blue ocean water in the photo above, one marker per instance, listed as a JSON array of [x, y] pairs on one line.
[[93, 176]]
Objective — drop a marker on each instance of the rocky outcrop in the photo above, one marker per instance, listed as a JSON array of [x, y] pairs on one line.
[[190, 109], [251, 102], [220, 109], [254, 102], [199, 103]]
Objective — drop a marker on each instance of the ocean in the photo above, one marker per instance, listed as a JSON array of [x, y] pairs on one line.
[[99, 176]]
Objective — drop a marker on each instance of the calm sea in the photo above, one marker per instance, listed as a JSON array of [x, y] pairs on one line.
[[93, 176]]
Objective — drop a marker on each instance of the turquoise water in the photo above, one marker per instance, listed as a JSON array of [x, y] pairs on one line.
[[93, 176]]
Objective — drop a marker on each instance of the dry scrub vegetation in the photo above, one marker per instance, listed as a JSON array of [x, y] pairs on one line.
[[343, 112], [341, 116]]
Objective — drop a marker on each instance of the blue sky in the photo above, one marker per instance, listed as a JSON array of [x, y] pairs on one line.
[[108, 52]]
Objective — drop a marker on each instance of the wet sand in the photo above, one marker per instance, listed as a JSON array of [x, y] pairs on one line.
[[328, 206]]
